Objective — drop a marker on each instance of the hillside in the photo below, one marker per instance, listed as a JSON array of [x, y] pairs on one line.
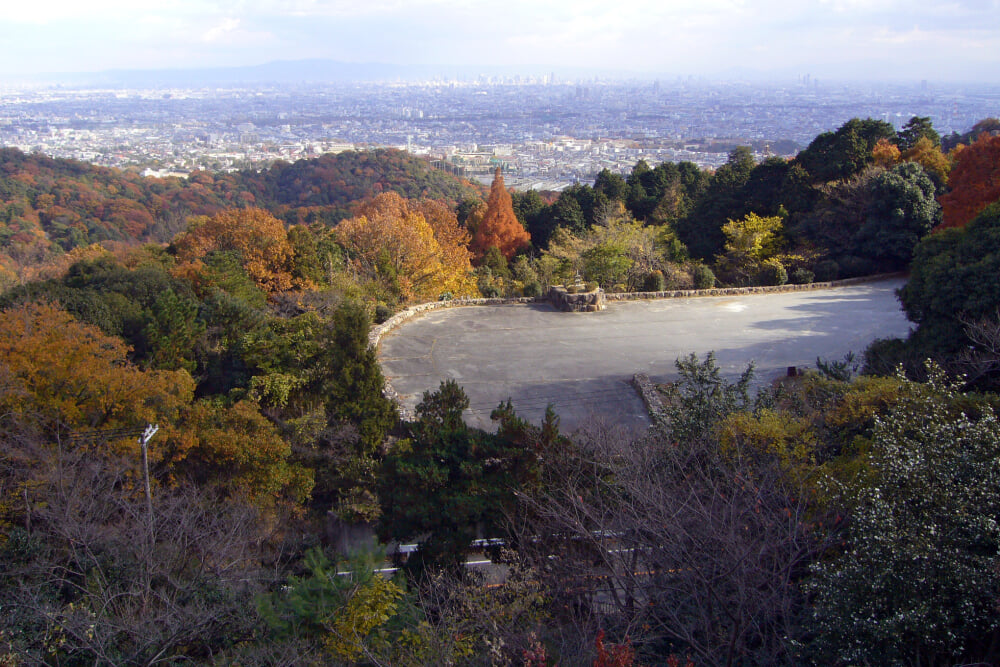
[[50, 204]]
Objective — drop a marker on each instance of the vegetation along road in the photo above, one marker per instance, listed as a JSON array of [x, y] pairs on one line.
[[581, 362]]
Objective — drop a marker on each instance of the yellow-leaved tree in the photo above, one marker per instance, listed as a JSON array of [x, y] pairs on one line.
[[65, 383], [258, 238], [392, 242], [752, 245]]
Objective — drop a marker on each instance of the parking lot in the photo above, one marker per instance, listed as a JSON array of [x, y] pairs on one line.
[[581, 362]]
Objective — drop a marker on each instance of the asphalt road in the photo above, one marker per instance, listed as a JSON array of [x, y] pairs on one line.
[[581, 362]]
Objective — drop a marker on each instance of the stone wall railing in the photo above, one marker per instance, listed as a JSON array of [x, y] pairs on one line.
[[377, 331], [736, 291]]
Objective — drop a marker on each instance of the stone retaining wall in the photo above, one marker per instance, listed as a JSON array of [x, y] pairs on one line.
[[377, 331], [737, 291], [651, 398]]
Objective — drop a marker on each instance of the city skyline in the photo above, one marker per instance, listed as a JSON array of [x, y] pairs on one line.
[[827, 39]]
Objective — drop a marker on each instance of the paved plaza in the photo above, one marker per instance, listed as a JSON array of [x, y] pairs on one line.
[[581, 363]]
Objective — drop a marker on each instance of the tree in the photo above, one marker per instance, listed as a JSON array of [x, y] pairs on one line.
[[953, 278], [499, 226], [695, 548], [885, 154], [613, 186], [97, 580], [974, 182], [722, 200], [749, 242], [837, 155], [64, 375], [917, 580], [351, 379], [915, 129], [343, 614], [392, 242], [902, 210], [929, 156], [258, 237], [447, 481]]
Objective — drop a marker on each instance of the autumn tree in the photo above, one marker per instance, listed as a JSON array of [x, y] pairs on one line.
[[974, 181], [499, 226], [392, 242], [258, 237], [929, 156], [885, 153], [65, 375]]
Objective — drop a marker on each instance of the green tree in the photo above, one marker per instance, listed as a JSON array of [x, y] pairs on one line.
[[607, 264], [344, 614], [902, 210], [172, 332], [351, 379], [954, 280], [721, 200], [918, 127], [918, 579], [847, 151], [449, 480]]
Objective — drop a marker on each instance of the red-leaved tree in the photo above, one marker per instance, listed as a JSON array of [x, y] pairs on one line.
[[500, 227], [974, 181]]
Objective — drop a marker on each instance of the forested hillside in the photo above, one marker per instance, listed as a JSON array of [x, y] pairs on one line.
[[52, 205], [834, 518]]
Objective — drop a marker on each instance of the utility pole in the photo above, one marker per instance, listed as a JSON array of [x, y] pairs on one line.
[[144, 439]]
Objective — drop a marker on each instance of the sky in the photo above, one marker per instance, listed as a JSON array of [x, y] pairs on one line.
[[850, 39]]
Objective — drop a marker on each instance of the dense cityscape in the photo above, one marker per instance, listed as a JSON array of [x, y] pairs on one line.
[[545, 132]]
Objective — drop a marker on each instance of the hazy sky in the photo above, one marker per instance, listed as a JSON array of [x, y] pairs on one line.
[[884, 39]]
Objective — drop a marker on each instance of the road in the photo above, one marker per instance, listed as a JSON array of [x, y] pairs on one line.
[[581, 362]]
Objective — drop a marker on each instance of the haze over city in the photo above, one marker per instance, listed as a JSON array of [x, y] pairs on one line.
[[839, 39]]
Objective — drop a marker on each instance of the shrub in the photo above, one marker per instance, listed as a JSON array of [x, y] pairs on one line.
[[772, 273], [382, 313], [590, 286], [654, 282], [703, 277], [802, 276], [826, 270], [532, 288]]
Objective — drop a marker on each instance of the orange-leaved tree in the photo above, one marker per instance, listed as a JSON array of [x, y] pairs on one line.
[[974, 182], [61, 379], [259, 239], [391, 240], [500, 227], [885, 153], [62, 376]]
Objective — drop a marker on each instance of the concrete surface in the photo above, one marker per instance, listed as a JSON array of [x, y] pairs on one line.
[[581, 362]]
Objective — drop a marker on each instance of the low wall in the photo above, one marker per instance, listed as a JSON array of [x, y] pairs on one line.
[[737, 291], [379, 330], [651, 398]]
